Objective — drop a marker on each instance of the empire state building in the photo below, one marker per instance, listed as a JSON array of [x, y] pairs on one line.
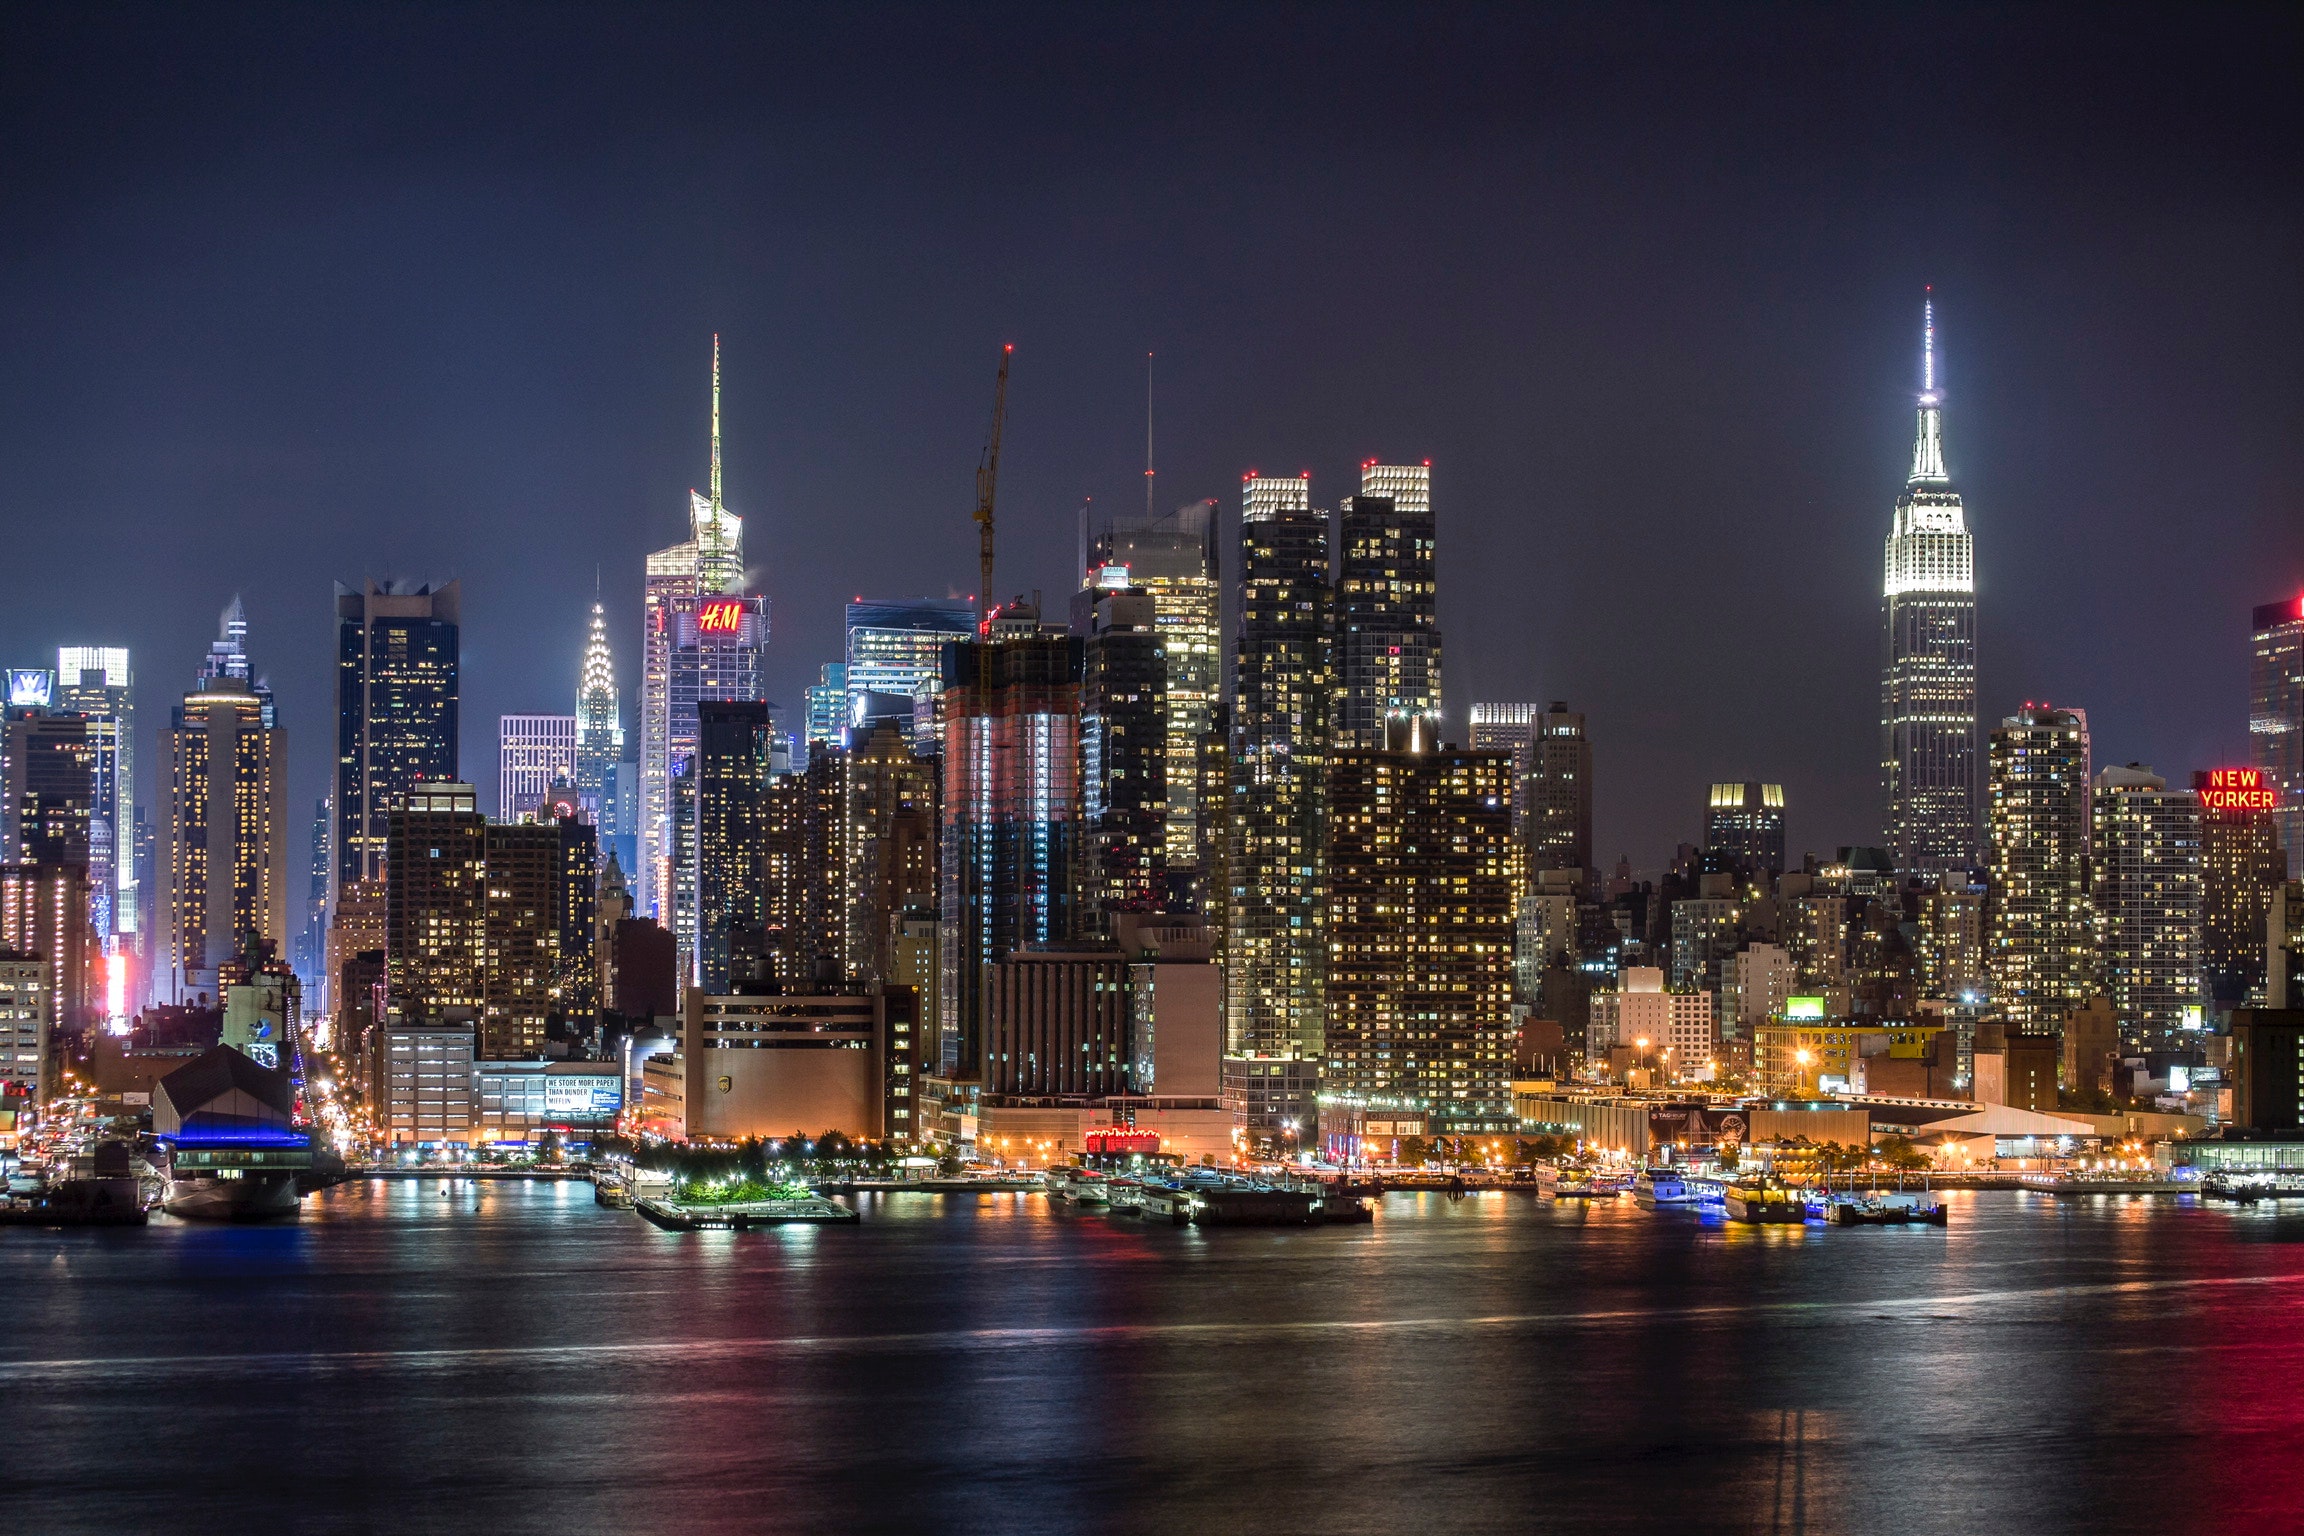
[[1928, 671]]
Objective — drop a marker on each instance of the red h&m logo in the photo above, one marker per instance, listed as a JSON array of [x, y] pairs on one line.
[[722, 617], [2234, 789]]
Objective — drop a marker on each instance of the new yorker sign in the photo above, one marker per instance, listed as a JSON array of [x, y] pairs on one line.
[[2234, 790]]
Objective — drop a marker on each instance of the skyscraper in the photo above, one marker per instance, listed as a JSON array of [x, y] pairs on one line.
[[397, 694], [51, 790], [1423, 881], [2145, 878], [704, 639], [1503, 728], [1928, 670], [1173, 557], [1556, 792], [94, 683], [1283, 678], [533, 753], [2041, 932], [1123, 753], [889, 843], [600, 743], [1744, 830], [1386, 626], [731, 833], [2241, 867], [1011, 825], [436, 904], [223, 852], [828, 704], [2276, 718], [897, 647]]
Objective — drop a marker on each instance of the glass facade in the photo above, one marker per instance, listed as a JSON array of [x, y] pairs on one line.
[[1387, 628], [1173, 557], [2276, 718], [397, 659]]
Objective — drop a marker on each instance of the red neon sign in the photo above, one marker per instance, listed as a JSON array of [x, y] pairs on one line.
[[2234, 789], [723, 616]]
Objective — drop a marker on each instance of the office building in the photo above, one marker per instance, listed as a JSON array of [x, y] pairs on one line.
[[422, 1089], [2040, 928], [828, 705], [1744, 831], [2146, 879], [436, 906], [2276, 718], [807, 872], [2284, 947], [1123, 751], [396, 710], [95, 683], [1555, 792], [223, 843], [731, 834], [2241, 867], [576, 986], [794, 1064], [51, 789], [602, 774], [523, 1101], [1928, 720], [534, 753], [1010, 843], [24, 989], [1056, 1024], [1503, 727], [1386, 625], [1423, 881], [703, 638], [1275, 949], [520, 990], [44, 912], [889, 844], [1173, 557], [896, 648]]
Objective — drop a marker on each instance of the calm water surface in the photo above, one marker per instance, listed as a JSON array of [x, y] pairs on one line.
[[505, 1357]]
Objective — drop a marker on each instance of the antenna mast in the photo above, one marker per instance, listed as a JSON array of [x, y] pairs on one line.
[[1147, 437], [988, 481]]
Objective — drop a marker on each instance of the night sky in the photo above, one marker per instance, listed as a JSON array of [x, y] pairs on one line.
[[322, 293]]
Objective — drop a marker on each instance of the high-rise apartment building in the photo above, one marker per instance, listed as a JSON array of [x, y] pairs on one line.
[[888, 842], [1386, 625], [1173, 557], [2276, 718], [1423, 881], [533, 753], [44, 912], [521, 974], [24, 1037], [2145, 877], [1275, 949], [600, 767], [397, 694], [223, 844], [1928, 674], [731, 834], [2241, 866], [2041, 931], [1123, 752], [703, 638], [1555, 792], [95, 683], [1011, 818], [1744, 830]]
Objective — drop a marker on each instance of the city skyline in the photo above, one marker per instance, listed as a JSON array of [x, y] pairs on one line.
[[1763, 391]]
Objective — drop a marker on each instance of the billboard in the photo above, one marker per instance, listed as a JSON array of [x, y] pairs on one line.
[[31, 688], [1697, 1125], [1804, 1008], [586, 1095], [720, 616], [2235, 790]]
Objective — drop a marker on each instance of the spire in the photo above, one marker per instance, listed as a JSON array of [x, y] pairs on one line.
[[1147, 437], [1928, 442], [715, 421]]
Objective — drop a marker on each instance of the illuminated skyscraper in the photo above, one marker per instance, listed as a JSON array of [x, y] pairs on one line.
[[533, 753], [93, 682], [1011, 824], [2241, 866], [888, 843], [731, 834], [1744, 830], [828, 705], [704, 637], [1928, 672], [600, 742], [1423, 878], [896, 648], [2040, 929], [2276, 718], [2145, 877], [1123, 752], [1173, 557], [1503, 727], [1386, 626], [223, 849], [1276, 948], [397, 698]]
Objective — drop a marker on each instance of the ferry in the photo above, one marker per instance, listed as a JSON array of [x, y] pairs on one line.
[[1758, 1203], [1566, 1181], [1664, 1188], [2108, 1182]]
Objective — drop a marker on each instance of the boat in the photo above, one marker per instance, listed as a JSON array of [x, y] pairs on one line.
[[1887, 1210], [1764, 1203], [2108, 1182], [776, 1211], [1664, 1189], [1565, 1181]]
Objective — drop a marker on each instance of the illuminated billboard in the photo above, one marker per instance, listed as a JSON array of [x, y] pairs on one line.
[[1804, 1008], [720, 616], [588, 1095], [31, 688], [2235, 790]]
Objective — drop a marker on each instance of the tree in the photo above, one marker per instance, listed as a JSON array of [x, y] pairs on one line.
[[548, 1147]]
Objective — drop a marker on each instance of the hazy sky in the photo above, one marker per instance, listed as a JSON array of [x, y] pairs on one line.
[[313, 293]]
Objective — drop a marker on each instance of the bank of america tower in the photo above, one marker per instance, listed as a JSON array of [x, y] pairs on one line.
[[1928, 668]]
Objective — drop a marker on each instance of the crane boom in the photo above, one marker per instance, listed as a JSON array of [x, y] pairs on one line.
[[988, 481]]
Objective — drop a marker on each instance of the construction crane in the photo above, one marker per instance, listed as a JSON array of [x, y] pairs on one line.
[[987, 481]]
